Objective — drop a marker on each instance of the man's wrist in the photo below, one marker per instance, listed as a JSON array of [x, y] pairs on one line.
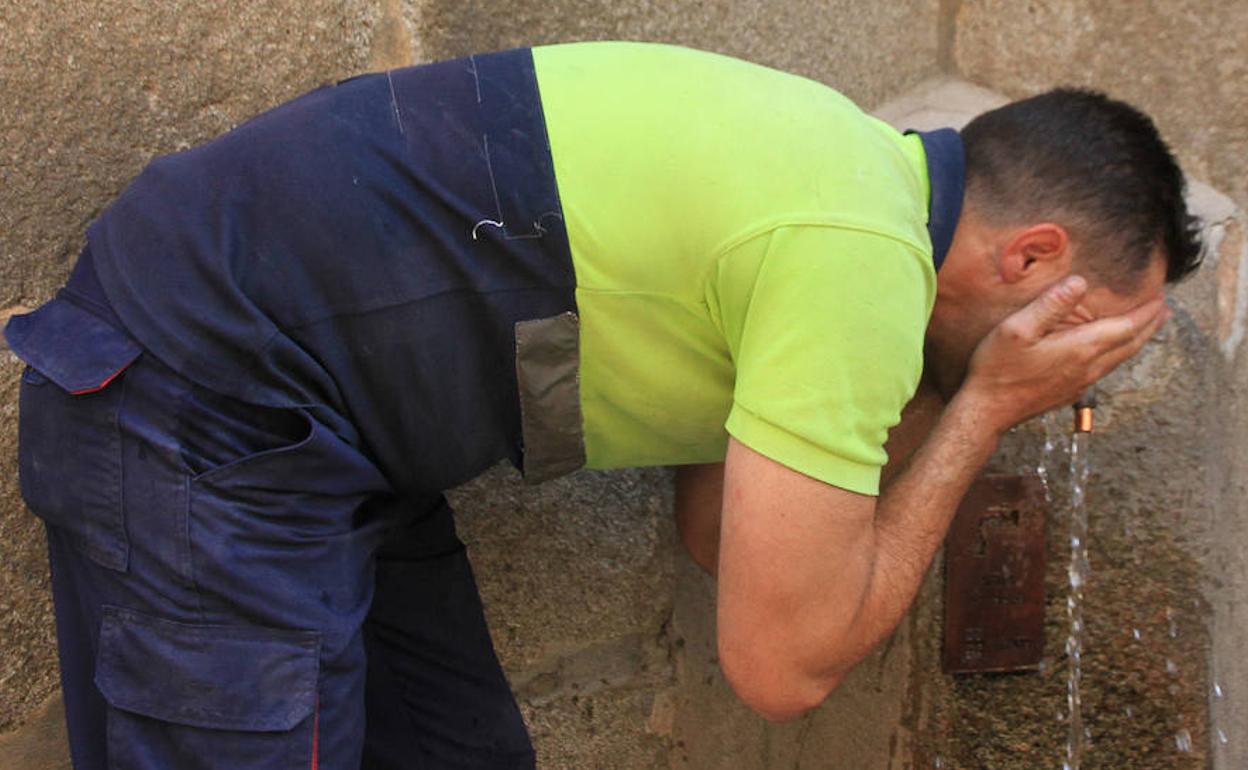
[[978, 414]]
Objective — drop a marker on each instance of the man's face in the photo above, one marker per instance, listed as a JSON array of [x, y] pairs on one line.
[[977, 306]]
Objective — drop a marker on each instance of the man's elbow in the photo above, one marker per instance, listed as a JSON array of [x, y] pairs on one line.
[[702, 550], [776, 692]]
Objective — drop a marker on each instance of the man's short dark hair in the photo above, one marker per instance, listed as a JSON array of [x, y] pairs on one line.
[[1092, 164]]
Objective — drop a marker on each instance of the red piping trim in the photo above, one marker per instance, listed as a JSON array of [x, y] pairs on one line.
[[316, 734], [104, 384]]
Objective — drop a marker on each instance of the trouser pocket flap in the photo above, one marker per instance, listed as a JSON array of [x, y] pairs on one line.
[[73, 347], [217, 677]]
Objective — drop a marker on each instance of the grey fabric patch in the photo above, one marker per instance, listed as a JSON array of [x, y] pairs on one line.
[[547, 364]]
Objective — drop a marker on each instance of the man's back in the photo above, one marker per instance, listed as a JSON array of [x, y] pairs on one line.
[[325, 255], [702, 194], [746, 250]]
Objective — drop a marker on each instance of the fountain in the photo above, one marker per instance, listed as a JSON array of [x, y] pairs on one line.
[[1078, 573]]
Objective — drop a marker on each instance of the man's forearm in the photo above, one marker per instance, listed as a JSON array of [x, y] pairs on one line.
[[911, 519], [699, 498], [700, 488]]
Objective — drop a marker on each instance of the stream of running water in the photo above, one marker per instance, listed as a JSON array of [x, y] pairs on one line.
[[1078, 573]]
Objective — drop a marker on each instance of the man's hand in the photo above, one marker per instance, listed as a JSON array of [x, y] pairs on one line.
[[1028, 365], [812, 577]]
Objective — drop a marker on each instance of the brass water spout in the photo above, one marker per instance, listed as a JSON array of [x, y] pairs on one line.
[[1083, 411]]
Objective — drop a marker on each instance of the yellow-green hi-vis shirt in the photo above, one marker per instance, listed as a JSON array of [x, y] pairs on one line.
[[752, 258]]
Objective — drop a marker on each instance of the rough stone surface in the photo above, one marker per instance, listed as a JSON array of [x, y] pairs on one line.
[[870, 51], [863, 725], [1228, 700], [41, 743], [394, 41], [576, 577], [939, 102], [1149, 513], [607, 730], [1225, 304], [1155, 543], [1184, 62], [599, 544]]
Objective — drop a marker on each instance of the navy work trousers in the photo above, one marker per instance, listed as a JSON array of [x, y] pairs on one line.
[[236, 587]]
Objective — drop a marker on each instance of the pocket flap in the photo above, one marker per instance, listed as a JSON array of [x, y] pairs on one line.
[[547, 373], [216, 677], [73, 347]]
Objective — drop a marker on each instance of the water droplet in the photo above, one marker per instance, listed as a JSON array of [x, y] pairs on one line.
[[1183, 739], [1222, 739], [1136, 633], [1130, 712], [1217, 690], [939, 763], [1171, 667]]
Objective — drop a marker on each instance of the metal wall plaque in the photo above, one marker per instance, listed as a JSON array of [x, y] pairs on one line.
[[994, 577]]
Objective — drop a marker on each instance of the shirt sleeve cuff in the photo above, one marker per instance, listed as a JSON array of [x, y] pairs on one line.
[[800, 455]]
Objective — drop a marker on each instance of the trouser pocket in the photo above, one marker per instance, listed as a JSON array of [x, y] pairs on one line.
[[207, 697], [69, 446]]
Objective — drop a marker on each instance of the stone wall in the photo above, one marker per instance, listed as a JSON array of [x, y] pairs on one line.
[[1186, 64], [1159, 524], [870, 51], [606, 630]]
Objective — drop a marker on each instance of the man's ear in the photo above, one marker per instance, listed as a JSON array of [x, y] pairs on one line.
[[1037, 250]]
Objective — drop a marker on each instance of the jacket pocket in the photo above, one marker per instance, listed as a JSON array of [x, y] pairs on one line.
[[216, 432], [286, 534], [203, 697], [69, 446]]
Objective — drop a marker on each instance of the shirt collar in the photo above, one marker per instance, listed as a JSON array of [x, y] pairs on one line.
[[946, 173]]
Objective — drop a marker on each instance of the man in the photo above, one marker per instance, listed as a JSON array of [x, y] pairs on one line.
[[279, 348]]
